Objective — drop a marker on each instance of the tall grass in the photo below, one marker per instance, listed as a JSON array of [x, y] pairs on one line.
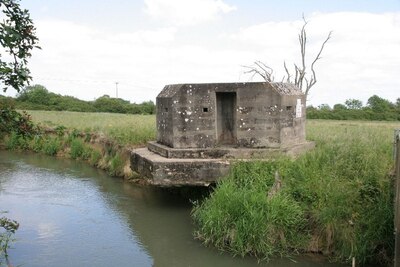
[[123, 128], [336, 199], [240, 217]]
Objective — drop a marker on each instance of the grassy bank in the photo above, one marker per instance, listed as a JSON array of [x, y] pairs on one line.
[[336, 200], [101, 139]]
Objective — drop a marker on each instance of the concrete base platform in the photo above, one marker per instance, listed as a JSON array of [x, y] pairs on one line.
[[158, 170], [165, 166], [227, 152]]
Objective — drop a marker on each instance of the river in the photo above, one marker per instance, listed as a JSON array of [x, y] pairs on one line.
[[71, 214]]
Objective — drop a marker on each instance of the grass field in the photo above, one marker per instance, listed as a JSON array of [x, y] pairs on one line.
[[138, 129], [126, 129]]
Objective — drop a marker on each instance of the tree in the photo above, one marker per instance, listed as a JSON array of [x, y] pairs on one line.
[[353, 104], [339, 107], [324, 107], [108, 104], [37, 94], [299, 77], [378, 104], [18, 38]]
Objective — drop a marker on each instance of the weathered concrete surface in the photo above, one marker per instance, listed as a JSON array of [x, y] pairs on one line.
[[247, 115], [202, 126], [165, 166], [228, 152], [161, 171]]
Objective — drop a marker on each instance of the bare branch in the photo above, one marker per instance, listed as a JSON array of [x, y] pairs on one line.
[[313, 75], [261, 69], [298, 78], [287, 72]]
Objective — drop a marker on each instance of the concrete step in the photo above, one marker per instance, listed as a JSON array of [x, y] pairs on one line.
[[161, 171]]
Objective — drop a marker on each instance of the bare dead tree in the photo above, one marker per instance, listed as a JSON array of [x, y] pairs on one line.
[[299, 78], [261, 69]]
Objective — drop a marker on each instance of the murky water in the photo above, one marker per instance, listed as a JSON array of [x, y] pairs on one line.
[[71, 214]]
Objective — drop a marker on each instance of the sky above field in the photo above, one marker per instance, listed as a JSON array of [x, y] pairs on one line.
[[89, 45]]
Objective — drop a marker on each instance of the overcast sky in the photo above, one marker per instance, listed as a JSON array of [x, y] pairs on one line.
[[88, 45]]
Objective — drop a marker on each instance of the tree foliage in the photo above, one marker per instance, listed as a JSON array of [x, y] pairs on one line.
[[13, 121], [377, 108], [18, 38], [379, 104], [353, 104], [37, 97], [339, 107]]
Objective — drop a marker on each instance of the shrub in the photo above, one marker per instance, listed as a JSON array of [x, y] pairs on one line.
[[13, 121], [51, 146], [17, 141], [36, 143], [77, 148], [60, 130], [116, 165], [95, 157], [12, 142], [87, 152]]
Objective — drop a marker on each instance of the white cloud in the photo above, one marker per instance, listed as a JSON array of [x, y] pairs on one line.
[[360, 60], [159, 36], [186, 12], [84, 62]]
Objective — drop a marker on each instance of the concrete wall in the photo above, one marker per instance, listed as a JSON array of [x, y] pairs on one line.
[[258, 116], [164, 120], [194, 117], [264, 116], [293, 120]]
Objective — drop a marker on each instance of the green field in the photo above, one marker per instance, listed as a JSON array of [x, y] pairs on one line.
[[138, 129], [126, 129]]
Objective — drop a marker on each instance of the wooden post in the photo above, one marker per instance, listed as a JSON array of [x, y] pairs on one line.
[[397, 198]]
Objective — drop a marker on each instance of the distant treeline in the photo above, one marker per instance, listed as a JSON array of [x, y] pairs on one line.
[[377, 108], [37, 97]]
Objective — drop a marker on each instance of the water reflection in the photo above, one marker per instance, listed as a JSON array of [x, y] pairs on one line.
[[75, 215]]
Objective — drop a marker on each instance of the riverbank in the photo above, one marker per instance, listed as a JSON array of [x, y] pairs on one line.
[[92, 148], [335, 200]]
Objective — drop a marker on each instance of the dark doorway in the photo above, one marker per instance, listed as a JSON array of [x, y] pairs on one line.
[[226, 118]]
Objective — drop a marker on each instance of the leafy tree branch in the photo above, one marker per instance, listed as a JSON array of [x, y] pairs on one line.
[[18, 39]]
